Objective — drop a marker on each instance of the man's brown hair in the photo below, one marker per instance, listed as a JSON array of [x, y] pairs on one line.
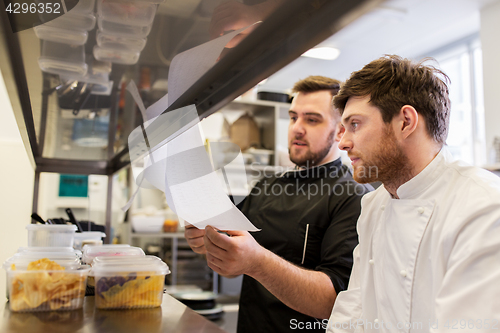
[[316, 83], [392, 82]]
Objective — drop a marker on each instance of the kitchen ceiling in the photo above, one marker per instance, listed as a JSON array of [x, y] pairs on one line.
[[410, 28]]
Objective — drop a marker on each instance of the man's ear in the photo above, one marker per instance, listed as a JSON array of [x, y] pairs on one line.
[[407, 121], [339, 131]]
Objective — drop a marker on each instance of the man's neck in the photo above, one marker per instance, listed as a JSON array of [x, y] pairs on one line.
[[415, 166]]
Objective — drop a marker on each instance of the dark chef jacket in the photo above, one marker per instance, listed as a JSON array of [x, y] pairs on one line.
[[328, 199]]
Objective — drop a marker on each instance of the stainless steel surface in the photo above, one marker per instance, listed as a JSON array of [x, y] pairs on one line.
[[172, 316]]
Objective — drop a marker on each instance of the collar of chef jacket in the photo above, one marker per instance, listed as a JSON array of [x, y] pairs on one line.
[[427, 177]]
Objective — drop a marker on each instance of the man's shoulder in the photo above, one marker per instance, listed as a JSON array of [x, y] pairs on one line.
[[473, 182]]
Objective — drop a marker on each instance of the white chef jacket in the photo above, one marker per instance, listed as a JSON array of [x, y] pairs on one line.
[[429, 261]]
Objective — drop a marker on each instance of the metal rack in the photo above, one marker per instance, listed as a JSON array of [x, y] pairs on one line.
[[293, 28]]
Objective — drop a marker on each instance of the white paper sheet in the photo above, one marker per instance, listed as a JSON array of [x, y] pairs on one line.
[[193, 189], [188, 66], [177, 163]]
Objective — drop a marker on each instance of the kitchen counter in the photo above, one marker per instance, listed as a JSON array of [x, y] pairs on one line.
[[172, 316]]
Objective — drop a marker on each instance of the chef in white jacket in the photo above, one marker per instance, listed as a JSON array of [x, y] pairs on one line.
[[428, 258]]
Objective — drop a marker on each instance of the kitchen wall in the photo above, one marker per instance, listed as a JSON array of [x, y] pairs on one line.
[[16, 185], [490, 26]]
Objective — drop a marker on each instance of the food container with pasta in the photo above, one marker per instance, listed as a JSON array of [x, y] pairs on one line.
[[45, 285], [127, 283], [90, 252], [26, 255]]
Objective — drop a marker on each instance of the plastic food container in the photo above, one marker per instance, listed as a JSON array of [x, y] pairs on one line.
[[90, 252], [116, 56], [139, 13], [73, 21], [49, 235], [45, 285], [119, 43], [129, 282], [63, 59], [66, 36], [24, 258], [123, 29], [88, 238]]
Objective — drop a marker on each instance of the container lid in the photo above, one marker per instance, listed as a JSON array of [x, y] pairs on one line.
[[61, 35], [46, 249], [108, 246], [69, 268], [90, 235], [52, 227], [22, 262], [104, 266], [47, 254], [90, 252]]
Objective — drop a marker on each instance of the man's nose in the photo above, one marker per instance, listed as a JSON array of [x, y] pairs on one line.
[[298, 127], [345, 142]]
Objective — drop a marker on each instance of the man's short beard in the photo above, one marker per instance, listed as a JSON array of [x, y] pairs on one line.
[[388, 164], [312, 159]]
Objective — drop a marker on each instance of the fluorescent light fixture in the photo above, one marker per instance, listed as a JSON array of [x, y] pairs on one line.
[[324, 52]]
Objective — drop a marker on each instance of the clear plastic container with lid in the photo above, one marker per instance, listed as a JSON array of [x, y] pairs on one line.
[[92, 251], [51, 235], [63, 59], [60, 35], [124, 43], [129, 282], [73, 21], [44, 284], [140, 13], [116, 56], [123, 29]]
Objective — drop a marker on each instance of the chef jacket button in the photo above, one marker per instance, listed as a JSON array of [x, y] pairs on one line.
[[403, 273], [371, 262], [382, 207], [420, 210], [376, 321]]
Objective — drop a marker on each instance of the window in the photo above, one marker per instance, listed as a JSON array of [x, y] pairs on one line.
[[462, 62]]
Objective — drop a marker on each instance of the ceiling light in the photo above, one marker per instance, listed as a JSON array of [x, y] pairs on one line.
[[324, 52]]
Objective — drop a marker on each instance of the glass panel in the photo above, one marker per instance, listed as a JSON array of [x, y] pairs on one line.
[[460, 134], [480, 135], [78, 65]]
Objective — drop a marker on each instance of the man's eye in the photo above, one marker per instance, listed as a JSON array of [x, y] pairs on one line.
[[354, 125], [311, 120]]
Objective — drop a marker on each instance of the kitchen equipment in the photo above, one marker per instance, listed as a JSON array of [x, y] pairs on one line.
[[73, 219]]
